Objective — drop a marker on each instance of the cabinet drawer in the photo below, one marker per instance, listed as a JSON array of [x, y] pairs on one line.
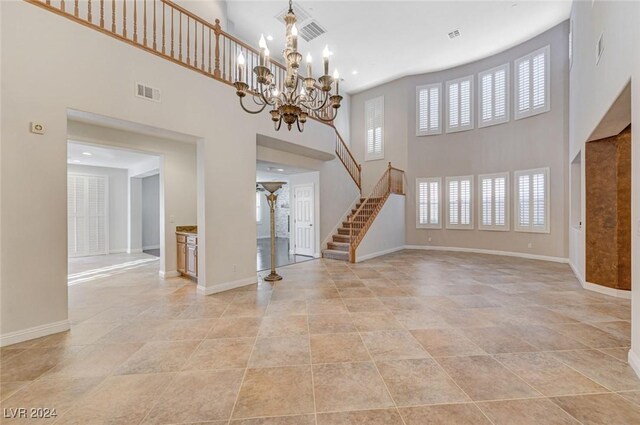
[[181, 238], [192, 240]]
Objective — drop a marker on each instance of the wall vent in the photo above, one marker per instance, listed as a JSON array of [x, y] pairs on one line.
[[311, 30], [301, 14], [148, 93], [599, 48], [453, 34]]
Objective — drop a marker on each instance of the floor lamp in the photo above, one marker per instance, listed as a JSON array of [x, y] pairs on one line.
[[272, 188]]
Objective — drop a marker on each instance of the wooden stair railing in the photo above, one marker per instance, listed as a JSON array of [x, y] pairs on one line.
[[170, 31], [392, 181]]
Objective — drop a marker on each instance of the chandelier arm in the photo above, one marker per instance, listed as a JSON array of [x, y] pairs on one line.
[[322, 106], [278, 124], [300, 129], [250, 111], [332, 116]]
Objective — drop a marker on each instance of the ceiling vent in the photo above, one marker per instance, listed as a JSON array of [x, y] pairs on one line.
[[148, 93], [301, 14], [311, 30], [454, 34]]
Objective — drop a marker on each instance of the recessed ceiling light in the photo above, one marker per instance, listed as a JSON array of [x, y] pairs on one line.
[[280, 169], [87, 153], [270, 37], [354, 72], [75, 161]]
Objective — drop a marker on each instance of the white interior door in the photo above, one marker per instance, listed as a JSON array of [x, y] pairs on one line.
[[304, 220], [87, 205]]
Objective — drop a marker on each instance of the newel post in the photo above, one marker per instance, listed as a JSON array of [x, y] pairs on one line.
[[216, 69]]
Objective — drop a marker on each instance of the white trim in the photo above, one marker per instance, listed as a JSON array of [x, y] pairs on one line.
[[507, 210], [428, 180], [634, 362], [547, 200], [612, 292], [507, 90], [517, 114], [378, 254], [316, 216], [226, 286], [134, 251], [490, 252], [118, 251], [429, 131], [338, 224], [459, 226], [168, 274], [459, 126], [34, 332], [144, 248]]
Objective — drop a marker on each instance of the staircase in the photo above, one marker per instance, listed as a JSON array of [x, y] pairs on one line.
[[170, 31], [345, 242]]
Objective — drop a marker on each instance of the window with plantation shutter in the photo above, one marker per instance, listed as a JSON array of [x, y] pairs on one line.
[[87, 218], [492, 96], [374, 126], [460, 104], [532, 84], [494, 203], [428, 106], [459, 202], [532, 200], [428, 196], [258, 207]]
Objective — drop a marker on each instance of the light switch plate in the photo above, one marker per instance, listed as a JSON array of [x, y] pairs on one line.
[[37, 128]]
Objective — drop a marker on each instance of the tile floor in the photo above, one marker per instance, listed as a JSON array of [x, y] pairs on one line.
[[412, 338]]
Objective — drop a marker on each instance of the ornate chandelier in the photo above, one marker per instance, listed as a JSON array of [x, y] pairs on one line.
[[300, 97]]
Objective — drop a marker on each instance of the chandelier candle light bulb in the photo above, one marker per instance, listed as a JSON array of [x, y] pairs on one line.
[[294, 37], [240, 67], [336, 78], [325, 59], [309, 65], [263, 47]]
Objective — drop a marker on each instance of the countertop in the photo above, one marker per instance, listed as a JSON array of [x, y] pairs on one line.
[[187, 230]]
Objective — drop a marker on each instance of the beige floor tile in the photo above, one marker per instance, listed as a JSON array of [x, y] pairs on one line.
[[349, 386], [621, 354], [54, 394], [275, 391], [473, 301], [280, 351], [419, 381], [33, 362], [546, 339], [393, 345], [356, 293], [483, 378], [548, 375], [240, 327], [81, 334], [446, 414], [420, 319], [355, 305], [245, 309], [118, 400], [446, 342], [94, 360], [539, 411], [221, 353], [175, 330], [331, 323], [632, 396], [9, 388], [339, 347], [600, 409], [601, 368], [283, 326], [592, 336], [281, 420], [197, 396], [498, 340], [368, 417], [287, 308], [208, 310], [375, 321], [158, 357], [328, 306]]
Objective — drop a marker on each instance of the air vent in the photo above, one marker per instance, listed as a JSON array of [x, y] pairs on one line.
[[453, 34], [311, 30], [599, 48], [301, 14], [148, 93]]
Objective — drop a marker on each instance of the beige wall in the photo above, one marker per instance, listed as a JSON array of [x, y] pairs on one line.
[[81, 69], [539, 141]]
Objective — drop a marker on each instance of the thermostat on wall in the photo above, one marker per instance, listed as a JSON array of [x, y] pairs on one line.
[[37, 128]]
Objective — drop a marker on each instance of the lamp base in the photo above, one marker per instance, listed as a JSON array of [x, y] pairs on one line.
[[273, 277]]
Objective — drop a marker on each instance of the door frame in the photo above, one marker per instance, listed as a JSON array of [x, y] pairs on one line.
[[316, 214]]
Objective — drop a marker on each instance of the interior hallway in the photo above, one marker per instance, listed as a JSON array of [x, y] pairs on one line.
[[283, 255], [410, 338]]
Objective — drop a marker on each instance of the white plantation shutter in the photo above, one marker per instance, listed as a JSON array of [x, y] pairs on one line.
[[428, 203], [258, 207], [428, 110], [459, 202], [374, 124], [460, 104], [493, 104], [532, 200], [532, 84], [494, 207], [87, 224]]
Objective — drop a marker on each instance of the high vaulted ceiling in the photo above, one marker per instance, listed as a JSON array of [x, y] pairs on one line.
[[385, 40]]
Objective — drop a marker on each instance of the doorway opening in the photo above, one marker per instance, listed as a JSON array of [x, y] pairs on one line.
[[296, 213]]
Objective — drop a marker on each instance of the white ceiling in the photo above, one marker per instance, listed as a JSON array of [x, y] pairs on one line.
[[385, 40], [266, 170], [109, 157]]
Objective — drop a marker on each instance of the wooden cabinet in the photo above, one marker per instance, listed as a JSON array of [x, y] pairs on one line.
[[187, 254]]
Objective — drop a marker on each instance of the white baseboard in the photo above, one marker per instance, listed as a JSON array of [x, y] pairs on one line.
[[118, 251], [144, 248], [490, 252], [226, 286], [168, 274], [134, 251], [634, 362], [360, 258], [612, 292], [34, 332]]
